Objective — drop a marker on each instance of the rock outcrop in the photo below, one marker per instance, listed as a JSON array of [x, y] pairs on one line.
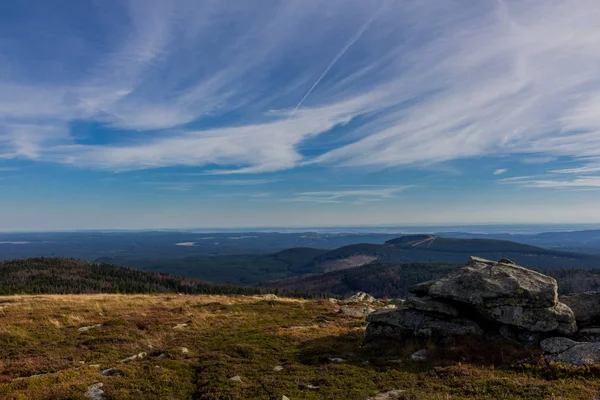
[[484, 296]]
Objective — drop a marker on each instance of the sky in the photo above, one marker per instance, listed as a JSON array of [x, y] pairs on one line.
[[186, 113]]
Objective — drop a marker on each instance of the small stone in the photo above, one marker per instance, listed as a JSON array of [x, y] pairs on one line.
[[184, 350], [112, 372], [420, 355], [180, 326], [285, 398], [236, 379], [95, 391], [392, 394], [133, 357], [278, 368], [337, 360], [87, 328]]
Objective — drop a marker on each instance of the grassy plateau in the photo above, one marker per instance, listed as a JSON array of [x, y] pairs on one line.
[[190, 346]]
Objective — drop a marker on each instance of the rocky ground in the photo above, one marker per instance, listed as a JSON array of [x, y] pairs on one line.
[[237, 347]]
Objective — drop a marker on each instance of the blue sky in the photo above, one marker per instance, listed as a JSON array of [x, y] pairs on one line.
[[156, 114]]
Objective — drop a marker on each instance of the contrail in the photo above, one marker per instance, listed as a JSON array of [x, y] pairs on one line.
[[349, 44]]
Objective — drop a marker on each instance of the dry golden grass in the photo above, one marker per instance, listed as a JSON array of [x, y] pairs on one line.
[[244, 336]]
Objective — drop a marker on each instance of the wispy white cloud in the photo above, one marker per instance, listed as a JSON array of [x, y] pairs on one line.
[[355, 195], [500, 171], [429, 82]]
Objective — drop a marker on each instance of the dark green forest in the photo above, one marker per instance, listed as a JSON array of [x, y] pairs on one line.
[[63, 276]]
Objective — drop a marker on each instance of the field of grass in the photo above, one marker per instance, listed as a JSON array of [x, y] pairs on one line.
[[247, 337]]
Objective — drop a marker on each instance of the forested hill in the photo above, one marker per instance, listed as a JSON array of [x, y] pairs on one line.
[[62, 276]]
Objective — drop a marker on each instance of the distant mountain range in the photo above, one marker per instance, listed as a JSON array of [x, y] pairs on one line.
[[387, 270], [227, 258]]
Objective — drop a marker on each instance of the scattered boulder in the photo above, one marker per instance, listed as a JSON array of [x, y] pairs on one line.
[[134, 357], [420, 355], [112, 372], [285, 398], [87, 328], [278, 368], [184, 350], [585, 306], [337, 360], [180, 326], [355, 312], [95, 391], [361, 297], [560, 349], [236, 379], [268, 296]]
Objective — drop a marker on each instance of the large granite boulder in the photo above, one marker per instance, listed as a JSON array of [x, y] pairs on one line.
[[586, 307], [484, 283], [406, 322], [498, 297], [507, 294], [560, 349]]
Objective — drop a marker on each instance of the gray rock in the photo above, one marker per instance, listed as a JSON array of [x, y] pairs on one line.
[[236, 379], [95, 391], [591, 334], [401, 323], [586, 306], [278, 368], [134, 357], [285, 398], [559, 318], [88, 328], [390, 395], [337, 360], [269, 296], [484, 283], [419, 355], [355, 312], [431, 305], [112, 372], [570, 352], [361, 297]]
